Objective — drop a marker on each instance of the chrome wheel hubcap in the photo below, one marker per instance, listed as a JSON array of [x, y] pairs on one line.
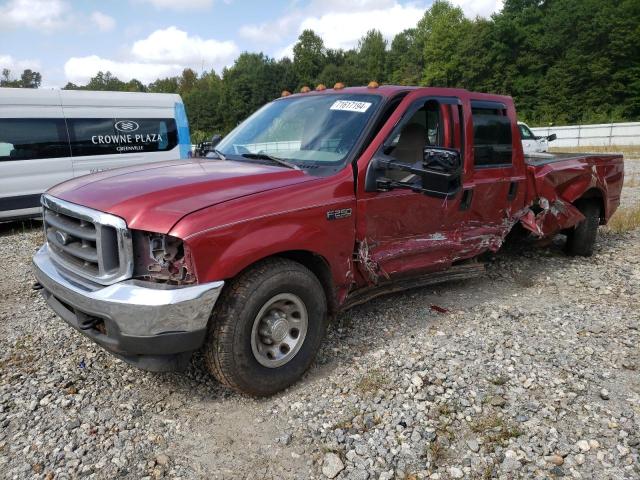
[[279, 330]]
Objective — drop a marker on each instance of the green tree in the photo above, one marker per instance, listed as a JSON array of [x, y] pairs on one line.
[[187, 80], [105, 81], [563, 61], [164, 85], [30, 79], [308, 57], [253, 80], [405, 62], [441, 31], [202, 105], [372, 53]]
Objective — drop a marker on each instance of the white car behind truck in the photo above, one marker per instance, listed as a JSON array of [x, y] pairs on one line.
[[49, 136], [532, 143]]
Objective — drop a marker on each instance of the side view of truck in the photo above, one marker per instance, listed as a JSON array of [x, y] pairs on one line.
[[317, 202]]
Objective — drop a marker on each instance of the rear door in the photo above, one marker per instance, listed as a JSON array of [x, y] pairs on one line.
[[496, 177], [34, 152]]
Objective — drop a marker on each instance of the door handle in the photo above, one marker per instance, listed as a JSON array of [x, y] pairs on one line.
[[513, 191], [467, 197]]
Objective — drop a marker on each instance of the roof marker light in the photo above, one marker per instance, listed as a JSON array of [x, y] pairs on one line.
[[373, 84], [338, 86], [320, 87]]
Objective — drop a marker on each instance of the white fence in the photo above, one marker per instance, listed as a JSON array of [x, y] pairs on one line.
[[619, 134]]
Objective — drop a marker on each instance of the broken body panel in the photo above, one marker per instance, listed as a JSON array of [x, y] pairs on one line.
[[233, 214]]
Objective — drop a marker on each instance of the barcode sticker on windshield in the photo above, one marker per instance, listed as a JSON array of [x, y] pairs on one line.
[[350, 106]]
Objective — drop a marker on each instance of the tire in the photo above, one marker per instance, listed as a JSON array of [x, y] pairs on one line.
[[235, 350], [582, 238]]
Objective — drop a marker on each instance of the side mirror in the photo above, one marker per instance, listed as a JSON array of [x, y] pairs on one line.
[[441, 159], [215, 139], [552, 137], [442, 176], [439, 174]]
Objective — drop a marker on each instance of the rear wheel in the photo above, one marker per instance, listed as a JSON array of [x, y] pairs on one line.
[[267, 327], [582, 238]]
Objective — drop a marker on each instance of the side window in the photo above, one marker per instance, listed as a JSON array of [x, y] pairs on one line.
[[110, 136], [87, 136], [422, 129], [525, 133], [32, 138], [492, 143]]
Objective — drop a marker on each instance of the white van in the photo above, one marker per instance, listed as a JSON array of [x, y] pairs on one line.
[[49, 136]]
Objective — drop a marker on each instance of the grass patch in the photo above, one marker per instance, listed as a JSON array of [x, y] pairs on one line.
[[373, 381], [495, 430], [632, 181], [499, 380], [20, 356], [625, 219], [436, 453]]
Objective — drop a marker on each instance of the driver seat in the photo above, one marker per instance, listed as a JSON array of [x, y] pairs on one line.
[[409, 150]]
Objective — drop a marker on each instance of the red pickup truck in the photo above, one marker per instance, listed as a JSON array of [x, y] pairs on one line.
[[318, 201]]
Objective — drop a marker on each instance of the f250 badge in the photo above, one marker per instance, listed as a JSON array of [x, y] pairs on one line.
[[337, 214]]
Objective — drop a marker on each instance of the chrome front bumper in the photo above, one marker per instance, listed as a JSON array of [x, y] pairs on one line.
[[131, 318]]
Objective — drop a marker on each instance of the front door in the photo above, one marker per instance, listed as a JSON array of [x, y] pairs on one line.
[[401, 231]]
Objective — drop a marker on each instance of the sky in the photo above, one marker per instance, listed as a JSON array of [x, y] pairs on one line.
[[71, 40]]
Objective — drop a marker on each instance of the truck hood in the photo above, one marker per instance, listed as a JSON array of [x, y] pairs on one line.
[[155, 196]]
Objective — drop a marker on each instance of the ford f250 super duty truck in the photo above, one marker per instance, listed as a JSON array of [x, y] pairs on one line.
[[317, 202]]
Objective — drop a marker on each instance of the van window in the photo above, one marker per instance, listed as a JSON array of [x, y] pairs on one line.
[[109, 136], [492, 144], [32, 138]]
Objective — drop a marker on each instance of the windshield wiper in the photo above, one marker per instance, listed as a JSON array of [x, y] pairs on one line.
[[219, 153], [266, 156]]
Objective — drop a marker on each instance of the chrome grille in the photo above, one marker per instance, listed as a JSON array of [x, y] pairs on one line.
[[91, 244]]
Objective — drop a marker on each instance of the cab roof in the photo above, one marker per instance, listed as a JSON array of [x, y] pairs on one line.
[[392, 90]]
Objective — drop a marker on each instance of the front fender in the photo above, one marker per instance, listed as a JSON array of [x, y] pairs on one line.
[[225, 252], [227, 238]]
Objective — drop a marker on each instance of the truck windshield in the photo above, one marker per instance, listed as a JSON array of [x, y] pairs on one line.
[[314, 129]]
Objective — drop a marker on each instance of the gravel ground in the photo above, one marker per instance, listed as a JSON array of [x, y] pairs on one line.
[[532, 372]]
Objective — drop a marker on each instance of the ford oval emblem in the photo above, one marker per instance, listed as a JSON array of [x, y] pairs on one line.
[[127, 126]]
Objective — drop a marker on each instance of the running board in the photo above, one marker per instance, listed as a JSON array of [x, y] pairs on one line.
[[457, 272]]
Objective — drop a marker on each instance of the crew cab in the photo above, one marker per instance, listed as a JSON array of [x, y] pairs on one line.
[[318, 201]]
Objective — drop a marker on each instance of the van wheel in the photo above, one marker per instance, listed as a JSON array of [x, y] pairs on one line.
[[267, 327], [582, 238]]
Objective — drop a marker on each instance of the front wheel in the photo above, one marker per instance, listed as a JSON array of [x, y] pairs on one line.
[[582, 238], [267, 327]]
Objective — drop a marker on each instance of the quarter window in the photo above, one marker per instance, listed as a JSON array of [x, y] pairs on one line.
[[492, 143], [30, 139]]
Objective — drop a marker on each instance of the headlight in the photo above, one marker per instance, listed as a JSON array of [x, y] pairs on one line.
[[161, 258]]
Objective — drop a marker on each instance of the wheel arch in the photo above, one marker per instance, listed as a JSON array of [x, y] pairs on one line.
[[594, 194], [317, 264]]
